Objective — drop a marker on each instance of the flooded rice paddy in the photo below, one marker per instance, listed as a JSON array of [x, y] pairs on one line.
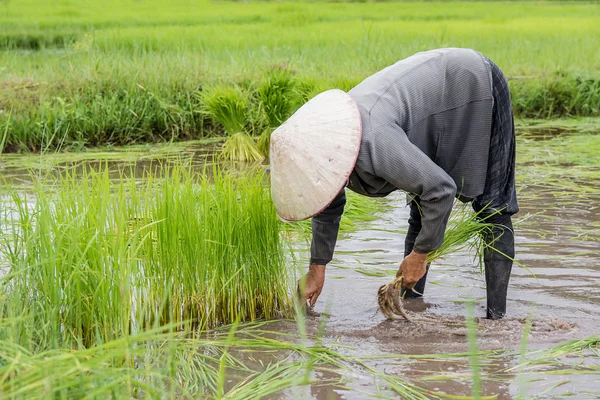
[[554, 295], [559, 291]]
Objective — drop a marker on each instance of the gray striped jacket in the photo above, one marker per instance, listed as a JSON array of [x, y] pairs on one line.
[[426, 124]]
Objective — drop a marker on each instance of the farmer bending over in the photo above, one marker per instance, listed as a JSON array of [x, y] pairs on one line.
[[437, 125]]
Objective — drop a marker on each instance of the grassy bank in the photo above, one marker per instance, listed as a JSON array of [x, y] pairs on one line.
[[78, 74]]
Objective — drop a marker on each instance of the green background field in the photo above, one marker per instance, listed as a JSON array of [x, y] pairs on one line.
[[114, 72]]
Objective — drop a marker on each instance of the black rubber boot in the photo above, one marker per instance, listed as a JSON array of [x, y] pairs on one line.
[[414, 227], [418, 290], [498, 264], [497, 275]]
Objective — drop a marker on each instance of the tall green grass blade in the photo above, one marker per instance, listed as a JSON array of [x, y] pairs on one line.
[[473, 351]]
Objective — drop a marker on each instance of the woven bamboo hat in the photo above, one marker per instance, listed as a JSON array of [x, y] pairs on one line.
[[313, 153]]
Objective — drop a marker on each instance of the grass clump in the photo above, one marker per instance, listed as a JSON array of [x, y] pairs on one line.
[[278, 96], [558, 96], [32, 40], [88, 260], [229, 107]]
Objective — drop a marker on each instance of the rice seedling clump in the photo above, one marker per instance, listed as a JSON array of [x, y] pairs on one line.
[[86, 259]]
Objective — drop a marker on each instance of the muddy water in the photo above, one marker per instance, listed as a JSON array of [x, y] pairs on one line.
[[557, 240], [560, 287]]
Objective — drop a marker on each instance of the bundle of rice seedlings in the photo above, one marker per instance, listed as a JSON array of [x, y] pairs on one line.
[[278, 98], [228, 106], [264, 141], [388, 299], [465, 230], [241, 147], [89, 259]]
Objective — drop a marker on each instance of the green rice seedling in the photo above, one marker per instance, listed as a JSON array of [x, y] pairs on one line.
[[465, 230], [523, 353], [473, 351], [242, 147], [229, 107], [278, 97], [90, 260], [552, 355]]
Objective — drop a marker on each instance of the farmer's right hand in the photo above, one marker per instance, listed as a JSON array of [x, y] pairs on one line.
[[310, 286], [412, 268]]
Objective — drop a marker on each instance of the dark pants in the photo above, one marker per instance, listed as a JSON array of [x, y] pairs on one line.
[[496, 204], [497, 258]]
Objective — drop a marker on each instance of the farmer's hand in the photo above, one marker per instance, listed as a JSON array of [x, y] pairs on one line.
[[309, 287], [412, 268]]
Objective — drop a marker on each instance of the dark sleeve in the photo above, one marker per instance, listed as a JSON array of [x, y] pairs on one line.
[[325, 227], [405, 166]]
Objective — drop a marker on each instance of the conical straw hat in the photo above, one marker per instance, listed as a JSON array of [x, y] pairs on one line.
[[313, 153]]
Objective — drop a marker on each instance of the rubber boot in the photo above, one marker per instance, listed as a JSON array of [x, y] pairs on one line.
[[414, 227], [497, 275], [418, 290], [498, 265]]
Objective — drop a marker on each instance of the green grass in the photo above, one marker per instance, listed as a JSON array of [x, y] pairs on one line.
[[80, 74], [162, 364], [90, 259]]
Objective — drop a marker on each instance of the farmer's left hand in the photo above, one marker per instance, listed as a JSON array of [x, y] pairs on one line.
[[412, 268]]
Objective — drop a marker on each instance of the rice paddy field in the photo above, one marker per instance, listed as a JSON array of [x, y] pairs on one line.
[[140, 254]]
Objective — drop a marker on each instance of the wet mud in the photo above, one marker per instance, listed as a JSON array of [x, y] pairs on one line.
[[554, 296]]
